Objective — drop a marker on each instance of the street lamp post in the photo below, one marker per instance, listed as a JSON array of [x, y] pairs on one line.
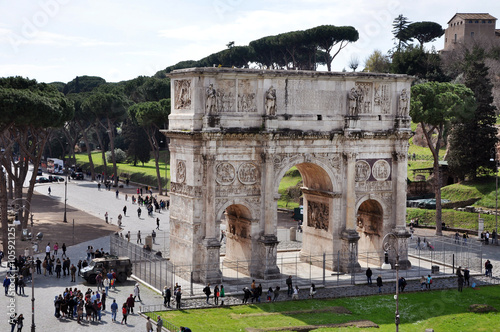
[[494, 158], [388, 246], [33, 326], [65, 195]]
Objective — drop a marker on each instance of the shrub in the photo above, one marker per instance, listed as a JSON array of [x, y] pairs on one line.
[[120, 156]]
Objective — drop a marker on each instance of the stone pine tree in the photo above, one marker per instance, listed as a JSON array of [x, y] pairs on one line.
[[29, 110], [433, 106], [471, 141]]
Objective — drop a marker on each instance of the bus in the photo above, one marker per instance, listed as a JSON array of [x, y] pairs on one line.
[[55, 166]]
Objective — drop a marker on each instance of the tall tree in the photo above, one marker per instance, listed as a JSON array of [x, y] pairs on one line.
[[399, 26], [29, 111], [327, 37], [433, 106], [472, 141], [109, 110], [424, 32], [152, 116], [138, 144]]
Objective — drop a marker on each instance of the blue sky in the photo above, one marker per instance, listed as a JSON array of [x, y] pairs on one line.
[[57, 40]]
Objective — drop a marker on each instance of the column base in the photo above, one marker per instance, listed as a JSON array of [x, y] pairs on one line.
[[211, 272], [270, 270]]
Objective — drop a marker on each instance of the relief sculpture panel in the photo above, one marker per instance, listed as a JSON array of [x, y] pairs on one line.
[[226, 95], [248, 173], [318, 215], [381, 99], [225, 173], [363, 97], [182, 89], [246, 97]]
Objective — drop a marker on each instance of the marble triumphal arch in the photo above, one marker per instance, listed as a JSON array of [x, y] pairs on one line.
[[235, 132]]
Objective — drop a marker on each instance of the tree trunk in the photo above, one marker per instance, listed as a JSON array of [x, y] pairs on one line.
[[103, 152], [4, 218], [437, 175], [111, 134], [89, 152]]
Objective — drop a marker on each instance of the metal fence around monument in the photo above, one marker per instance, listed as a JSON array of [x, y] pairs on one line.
[[305, 270]]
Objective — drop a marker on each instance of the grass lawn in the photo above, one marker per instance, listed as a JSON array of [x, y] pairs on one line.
[[145, 174], [291, 179], [452, 218], [442, 310]]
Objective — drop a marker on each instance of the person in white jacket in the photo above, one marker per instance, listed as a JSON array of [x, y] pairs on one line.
[[105, 283], [137, 292]]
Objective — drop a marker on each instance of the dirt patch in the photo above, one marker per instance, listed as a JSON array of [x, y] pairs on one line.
[[307, 328], [334, 310], [481, 308], [48, 219]]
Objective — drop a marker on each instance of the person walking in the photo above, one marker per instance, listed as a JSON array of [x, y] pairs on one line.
[[423, 281], [114, 309], [460, 279], [117, 192], [139, 240], [207, 291], [125, 210], [106, 217], [137, 292], [159, 323], [6, 285], [418, 243], [276, 293], [312, 291], [153, 236], [63, 247], [120, 220], [466, 276], [295, 295], [289, 285], [125, 313], [50, 191], [167, 294], [139, 211], [72, 270], [369, 274], [149, 325], [379, 283], [130, 304], [222, 294], [158, 223], [429, 281], [178, 296], [216, 295], [19, 321]]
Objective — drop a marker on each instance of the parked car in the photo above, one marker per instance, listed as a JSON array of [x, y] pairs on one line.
[[39, 172], [41, 179], [77, 175], [58, 178]]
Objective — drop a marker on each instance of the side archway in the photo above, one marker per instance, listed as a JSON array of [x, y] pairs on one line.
[[370, 227], [242, 231]]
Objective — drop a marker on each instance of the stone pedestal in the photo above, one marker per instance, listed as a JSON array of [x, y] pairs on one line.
[[211, 122], [352, 123], [269, 249], [400, 243], [211, 273], [271, 122], [349, 253]]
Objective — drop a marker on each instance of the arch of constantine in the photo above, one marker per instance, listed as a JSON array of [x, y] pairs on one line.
[[235, 132]]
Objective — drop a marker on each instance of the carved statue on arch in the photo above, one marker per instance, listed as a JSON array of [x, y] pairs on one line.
[[271, 101]]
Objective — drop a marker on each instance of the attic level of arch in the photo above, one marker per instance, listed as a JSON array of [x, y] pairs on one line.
[[209, 99]]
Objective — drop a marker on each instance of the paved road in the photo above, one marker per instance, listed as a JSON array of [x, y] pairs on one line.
[[85, 195]]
